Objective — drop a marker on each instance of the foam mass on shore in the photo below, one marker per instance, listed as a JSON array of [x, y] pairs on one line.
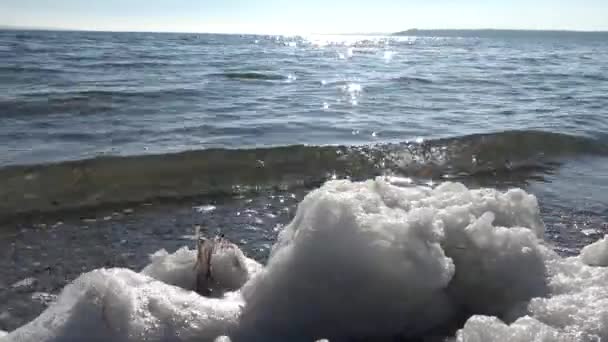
[[374, 259]]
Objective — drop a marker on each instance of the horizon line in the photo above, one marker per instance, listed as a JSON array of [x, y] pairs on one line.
[[412, 30]]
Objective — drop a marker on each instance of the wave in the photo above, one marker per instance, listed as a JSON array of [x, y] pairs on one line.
[[89, 101], [253, 76], [31, 69], [133, 64], [503, 157], [109, 93], [413, 79]]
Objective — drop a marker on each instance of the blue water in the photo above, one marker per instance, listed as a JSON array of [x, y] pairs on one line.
[[75, 95], [487, 108]]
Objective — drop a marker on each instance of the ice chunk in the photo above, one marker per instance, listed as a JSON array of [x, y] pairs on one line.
[[596, 254]]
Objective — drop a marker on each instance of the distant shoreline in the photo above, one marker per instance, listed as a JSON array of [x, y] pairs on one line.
[[492, 32]]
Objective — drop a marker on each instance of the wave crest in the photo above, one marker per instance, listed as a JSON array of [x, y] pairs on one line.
[[515, 156]]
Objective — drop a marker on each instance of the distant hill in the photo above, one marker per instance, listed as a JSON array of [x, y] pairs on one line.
[[481, 33]]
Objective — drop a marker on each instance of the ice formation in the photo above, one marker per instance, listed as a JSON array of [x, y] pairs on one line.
[[367, 259], [373, 259], [596, 254], [231, 268], [575, 310], [121, 305]]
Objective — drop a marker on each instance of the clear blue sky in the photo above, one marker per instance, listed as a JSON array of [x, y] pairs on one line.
[[304, 16]]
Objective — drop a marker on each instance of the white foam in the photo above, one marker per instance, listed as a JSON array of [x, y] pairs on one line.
[[395, 260], [3, 333], [27, 282], [368, 259], [351, 265], [231, 269], [155, 305], [526, 329], [121, 305], [578, 304], [205, 208], [176, 269], [596, 254], [576, 308]]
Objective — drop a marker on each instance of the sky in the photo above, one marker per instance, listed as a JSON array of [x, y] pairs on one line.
[[304, 16]]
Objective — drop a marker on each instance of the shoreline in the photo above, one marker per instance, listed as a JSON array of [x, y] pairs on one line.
[[45, 252], [42, 254]]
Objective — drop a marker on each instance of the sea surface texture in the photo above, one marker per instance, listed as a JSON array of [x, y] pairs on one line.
[[471, 104]]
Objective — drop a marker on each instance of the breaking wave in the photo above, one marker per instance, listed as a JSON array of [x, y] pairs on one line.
[[360, 260], [515, 156]]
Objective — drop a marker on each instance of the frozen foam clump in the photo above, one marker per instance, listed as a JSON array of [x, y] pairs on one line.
[[578, 303], [121, 305], [230, 268], [374, 259], [596, 254], [576, 309], [350, 265], [496, 267], [526, 329], [176, 269], [363, 260], [155, 305]]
